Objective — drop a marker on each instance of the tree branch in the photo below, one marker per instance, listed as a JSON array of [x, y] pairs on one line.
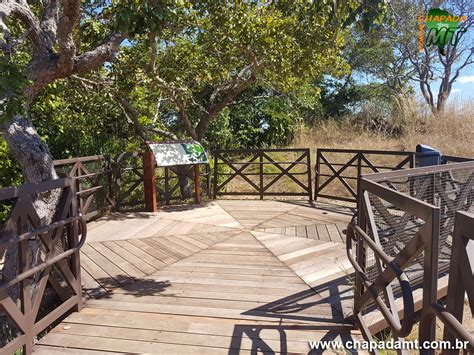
[[467, 61], [45, 72], [132, 115], [5, 40], [162, 133], [153, 50], [183, 115], [228, 93], [95, 58], [23, 12], [67, 21], [49, 21], [180, 103]]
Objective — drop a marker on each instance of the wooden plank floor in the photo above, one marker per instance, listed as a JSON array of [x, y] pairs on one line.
[[190, 289], [113, 264], [325, 232], [322, 265]]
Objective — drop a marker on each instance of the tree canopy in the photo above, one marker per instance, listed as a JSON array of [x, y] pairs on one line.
[[242, 74], [225, 48]]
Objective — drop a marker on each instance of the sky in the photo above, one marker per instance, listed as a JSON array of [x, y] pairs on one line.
[[463, 88]]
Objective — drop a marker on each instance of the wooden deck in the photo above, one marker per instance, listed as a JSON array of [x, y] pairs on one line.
[[228, 277]]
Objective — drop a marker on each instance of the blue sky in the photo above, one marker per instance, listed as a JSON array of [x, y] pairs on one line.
[[463, 88]]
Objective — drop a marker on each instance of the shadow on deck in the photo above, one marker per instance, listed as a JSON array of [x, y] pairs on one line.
[[228, 277]]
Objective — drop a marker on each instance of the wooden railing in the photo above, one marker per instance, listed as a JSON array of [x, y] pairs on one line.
[[258, 172], [128, 182], [94, 183], [337, 170], [449, 159], [461, 282], [406, 243], [168, 183], [51, 272], [106, 184]]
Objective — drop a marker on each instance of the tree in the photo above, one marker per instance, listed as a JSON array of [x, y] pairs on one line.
[[431, 65], [236, 44], [225, 48], [71, 108], [41, 42], [386, 63], [221, 51]]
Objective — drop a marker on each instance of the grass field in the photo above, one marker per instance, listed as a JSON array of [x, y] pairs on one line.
[[450, 132]]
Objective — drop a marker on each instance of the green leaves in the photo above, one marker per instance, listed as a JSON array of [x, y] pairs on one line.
[[215, 45], [140, 17], [78, 121], [12, 84]]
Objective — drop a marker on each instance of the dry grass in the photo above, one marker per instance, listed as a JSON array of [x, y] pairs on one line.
[[451, 132]]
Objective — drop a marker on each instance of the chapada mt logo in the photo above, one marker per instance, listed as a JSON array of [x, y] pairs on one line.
[[440, 28]]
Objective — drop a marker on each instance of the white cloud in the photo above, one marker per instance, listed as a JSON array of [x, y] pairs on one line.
[[453, 91], [466, 79]]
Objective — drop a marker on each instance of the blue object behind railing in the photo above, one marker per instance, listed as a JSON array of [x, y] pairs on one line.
[[427, 156]]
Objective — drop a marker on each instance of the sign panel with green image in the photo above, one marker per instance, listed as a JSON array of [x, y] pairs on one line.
[[185, 153]]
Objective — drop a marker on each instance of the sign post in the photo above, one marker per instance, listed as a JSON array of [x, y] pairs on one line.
[[149, 181], [197, 184], [181, 153]]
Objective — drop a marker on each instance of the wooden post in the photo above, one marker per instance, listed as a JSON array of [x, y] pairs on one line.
[[310, 181], [149, 181], [260, 152], [427, 328], [317, 171], [197, 184], [167, 186], [216, 173]]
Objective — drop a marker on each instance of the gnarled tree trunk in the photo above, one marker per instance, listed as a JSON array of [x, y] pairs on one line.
[[49, 28], [37, 165], [27, 148]]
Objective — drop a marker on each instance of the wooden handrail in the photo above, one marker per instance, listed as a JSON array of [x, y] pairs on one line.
[[421, 203], [400, 329], [23, 225], [93, 176], [53, 260], [348, 166]]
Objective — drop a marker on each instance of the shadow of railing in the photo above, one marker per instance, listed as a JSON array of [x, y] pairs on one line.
[[127, 285], [123, 216], [322, 306]]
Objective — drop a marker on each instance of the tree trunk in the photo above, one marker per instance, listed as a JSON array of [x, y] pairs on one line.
[[441, 104], [31, 153], [183, 173], [37, 165]]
